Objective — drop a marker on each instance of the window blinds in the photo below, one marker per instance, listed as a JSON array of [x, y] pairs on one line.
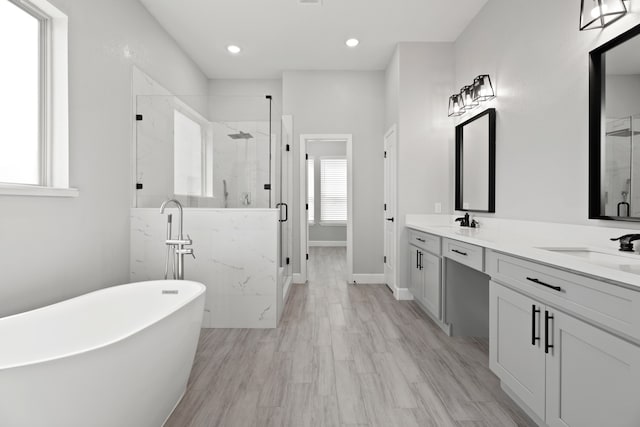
[[333, 190]]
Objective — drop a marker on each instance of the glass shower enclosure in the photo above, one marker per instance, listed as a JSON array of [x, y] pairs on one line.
[[215, 153]]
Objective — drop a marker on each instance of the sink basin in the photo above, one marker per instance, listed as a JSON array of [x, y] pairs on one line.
[[618, 260]]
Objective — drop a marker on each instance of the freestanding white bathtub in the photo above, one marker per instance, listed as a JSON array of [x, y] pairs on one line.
[[117, 357]]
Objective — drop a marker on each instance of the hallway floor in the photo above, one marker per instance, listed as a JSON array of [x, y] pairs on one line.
[[344, 355]]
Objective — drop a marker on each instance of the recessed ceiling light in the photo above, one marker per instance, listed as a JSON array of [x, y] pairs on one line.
[[233, 49], [352, 42]]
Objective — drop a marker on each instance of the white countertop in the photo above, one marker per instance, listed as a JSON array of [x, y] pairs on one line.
[[526, 238]]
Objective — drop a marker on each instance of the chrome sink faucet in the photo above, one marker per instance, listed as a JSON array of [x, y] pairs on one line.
[[178, 245]]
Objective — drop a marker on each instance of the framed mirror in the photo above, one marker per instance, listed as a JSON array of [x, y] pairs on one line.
[[476, 163], [614, 129]]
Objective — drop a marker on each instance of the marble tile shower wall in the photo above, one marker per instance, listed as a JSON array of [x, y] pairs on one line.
[[236, 258], [242, 163]]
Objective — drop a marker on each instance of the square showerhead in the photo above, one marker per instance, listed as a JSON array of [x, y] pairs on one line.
[[240, 135]]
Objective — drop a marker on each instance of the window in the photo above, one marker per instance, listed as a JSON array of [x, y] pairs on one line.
[[187, 159], [34, 134], [20, 160], [333, 190], [311, 189]]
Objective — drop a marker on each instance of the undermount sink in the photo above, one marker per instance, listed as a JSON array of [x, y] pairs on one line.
[[629, 262]]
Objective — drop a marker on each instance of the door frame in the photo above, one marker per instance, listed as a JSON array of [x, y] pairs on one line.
[[304, 223], [393, 130]]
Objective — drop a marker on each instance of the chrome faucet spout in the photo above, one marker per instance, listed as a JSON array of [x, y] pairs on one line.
[[177, 245], [179, 206]]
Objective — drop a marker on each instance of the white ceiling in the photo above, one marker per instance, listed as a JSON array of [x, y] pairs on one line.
[[279, 35]]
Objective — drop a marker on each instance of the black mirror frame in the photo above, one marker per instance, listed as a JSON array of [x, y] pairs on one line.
[[492, 161], [597, 73]]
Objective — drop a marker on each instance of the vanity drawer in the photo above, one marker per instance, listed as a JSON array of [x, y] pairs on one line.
[[428, 242], [615, 307], [464, 253]]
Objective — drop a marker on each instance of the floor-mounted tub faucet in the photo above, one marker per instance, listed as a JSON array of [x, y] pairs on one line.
[[178, 245]]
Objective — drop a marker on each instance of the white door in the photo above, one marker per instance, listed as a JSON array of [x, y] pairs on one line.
[[592, 376], [390, 208], [516, 352]]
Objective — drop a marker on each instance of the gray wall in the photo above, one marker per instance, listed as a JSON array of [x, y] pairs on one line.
[[345, 102], [317, 231], [541, 75], [622, 96], [59, 248], [237, 100], [419, 81]]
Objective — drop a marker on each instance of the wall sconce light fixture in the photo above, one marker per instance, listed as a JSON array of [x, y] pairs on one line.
[[467, 96], [456, 105], [482, 88], [471, 96], [600, 13]]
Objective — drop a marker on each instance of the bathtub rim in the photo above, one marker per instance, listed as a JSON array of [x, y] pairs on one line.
[[199, 294]]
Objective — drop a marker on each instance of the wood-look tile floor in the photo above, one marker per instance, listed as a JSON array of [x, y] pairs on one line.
[[344, 355]]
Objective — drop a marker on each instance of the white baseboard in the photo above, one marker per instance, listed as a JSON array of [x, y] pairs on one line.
[[403, 294], [285, 291], [327, 243], [297, 279], [369, 279]]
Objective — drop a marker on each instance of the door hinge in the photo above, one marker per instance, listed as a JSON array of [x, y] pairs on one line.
[[385, 154], [306, 156], [288, 261], [385, 206], [385, 259], [139, 186], [307, 206], [139, 117], [288, 148], [307, 257], [267, 186]]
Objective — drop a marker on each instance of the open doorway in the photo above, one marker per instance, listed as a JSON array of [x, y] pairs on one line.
[[326, 199]]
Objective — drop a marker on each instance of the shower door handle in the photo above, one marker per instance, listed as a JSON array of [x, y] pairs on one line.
[[286, 211]]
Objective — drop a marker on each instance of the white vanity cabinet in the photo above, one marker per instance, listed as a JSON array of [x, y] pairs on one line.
[[416, 277], [425, 274], [567, 369], [516, 354]]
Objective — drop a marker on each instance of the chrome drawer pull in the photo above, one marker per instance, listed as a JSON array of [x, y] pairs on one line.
[[534, 280], [459, 252]]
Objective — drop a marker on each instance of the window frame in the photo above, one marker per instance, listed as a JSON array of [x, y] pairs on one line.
[[206, 168], [53, 118], [337, 223], [312, 206]]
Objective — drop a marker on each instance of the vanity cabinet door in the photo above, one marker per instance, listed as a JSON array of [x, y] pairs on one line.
[[416, 275], [516, 353], [431, 283], [592, 376]]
